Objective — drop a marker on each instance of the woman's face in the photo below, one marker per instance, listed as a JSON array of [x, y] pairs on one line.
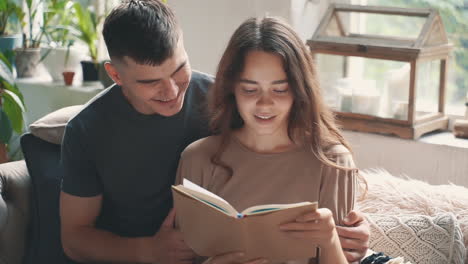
[[263, 96]]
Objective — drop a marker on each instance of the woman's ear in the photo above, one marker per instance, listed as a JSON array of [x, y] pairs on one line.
[[112, 72]]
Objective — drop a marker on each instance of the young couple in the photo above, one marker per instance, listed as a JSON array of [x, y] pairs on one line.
[[272, 138]]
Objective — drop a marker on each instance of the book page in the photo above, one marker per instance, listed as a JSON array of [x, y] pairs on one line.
[[267, 208], [208, 197]]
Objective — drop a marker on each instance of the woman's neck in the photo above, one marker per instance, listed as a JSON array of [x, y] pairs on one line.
[[265, 144]]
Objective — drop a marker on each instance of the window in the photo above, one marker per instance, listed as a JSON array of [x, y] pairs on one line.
[[454, 14]]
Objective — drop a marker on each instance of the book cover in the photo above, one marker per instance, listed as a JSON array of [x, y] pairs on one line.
[[211, 226]]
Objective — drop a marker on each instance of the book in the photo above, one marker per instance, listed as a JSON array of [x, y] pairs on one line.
[[211, 226]]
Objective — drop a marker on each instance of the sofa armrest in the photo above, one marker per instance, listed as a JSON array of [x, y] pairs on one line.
[[15, 189]]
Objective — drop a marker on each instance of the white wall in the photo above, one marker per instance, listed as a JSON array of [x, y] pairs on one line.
[[434, 163], [208, 24]]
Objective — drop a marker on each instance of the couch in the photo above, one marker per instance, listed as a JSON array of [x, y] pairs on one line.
[[29, 215]]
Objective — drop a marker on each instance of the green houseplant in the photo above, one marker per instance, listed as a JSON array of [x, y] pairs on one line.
[[59, 55], [87, 28], [28, 57], [11, 106], [9, 9]]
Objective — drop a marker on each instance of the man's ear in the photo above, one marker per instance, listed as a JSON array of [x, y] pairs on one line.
[[112, 72]]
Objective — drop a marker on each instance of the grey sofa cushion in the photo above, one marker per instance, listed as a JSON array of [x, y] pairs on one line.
[[43, 161], [14, 211]]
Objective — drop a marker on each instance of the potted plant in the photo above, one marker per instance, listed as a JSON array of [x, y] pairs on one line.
[[11, 106], [67, 73], [9, 10], [28, 57], [86, 26], [60, 55]]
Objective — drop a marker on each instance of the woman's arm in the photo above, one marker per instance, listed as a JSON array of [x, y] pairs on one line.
[[337, 193]]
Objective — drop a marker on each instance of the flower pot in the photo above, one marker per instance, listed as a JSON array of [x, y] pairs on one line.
[[55, 61], [90, 71], [27, 61], [10, 42], [68, 77]]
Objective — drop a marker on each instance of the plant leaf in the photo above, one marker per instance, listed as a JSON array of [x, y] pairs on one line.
[[86, 25], [5, 127], [14, 109], [5, 69], [12, 87], [29, 4]]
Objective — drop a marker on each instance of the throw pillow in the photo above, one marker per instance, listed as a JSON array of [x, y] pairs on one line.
[[418, 238], [391, 195], [52, 126]]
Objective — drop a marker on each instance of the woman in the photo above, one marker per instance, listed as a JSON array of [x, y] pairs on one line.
[[274, 137]]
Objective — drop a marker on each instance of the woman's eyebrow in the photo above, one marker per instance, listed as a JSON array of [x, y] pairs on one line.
[[248, 81], [279, 81]]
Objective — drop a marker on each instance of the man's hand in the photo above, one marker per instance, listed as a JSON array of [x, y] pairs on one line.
[[354, 236], [169, 244]]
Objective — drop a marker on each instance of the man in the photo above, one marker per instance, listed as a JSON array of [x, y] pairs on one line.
[[120, 153]]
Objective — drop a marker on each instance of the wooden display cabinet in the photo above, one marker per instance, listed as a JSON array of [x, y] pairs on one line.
[[383, 69]]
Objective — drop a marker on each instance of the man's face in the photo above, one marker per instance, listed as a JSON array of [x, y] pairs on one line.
[[154, 89]]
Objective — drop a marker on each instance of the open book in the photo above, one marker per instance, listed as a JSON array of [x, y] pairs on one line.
[[211, 226]]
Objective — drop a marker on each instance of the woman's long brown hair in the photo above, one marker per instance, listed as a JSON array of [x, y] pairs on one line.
[[311, 122]]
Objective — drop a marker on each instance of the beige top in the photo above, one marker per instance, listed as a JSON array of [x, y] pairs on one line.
[[288, 177]]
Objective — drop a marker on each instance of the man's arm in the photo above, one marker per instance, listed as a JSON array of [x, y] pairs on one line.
[[83, 242], [354, 236]]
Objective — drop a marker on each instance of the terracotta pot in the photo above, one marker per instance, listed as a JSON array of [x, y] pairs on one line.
[[68, 77], [3, 153]]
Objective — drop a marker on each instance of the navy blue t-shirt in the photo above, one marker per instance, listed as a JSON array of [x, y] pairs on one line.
[[130, 158]]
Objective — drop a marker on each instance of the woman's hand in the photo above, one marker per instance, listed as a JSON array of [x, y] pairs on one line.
[[317, 226], [233, 257], [354, 236]]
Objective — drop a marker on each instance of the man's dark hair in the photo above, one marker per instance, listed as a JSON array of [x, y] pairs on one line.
[[144, 30]]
